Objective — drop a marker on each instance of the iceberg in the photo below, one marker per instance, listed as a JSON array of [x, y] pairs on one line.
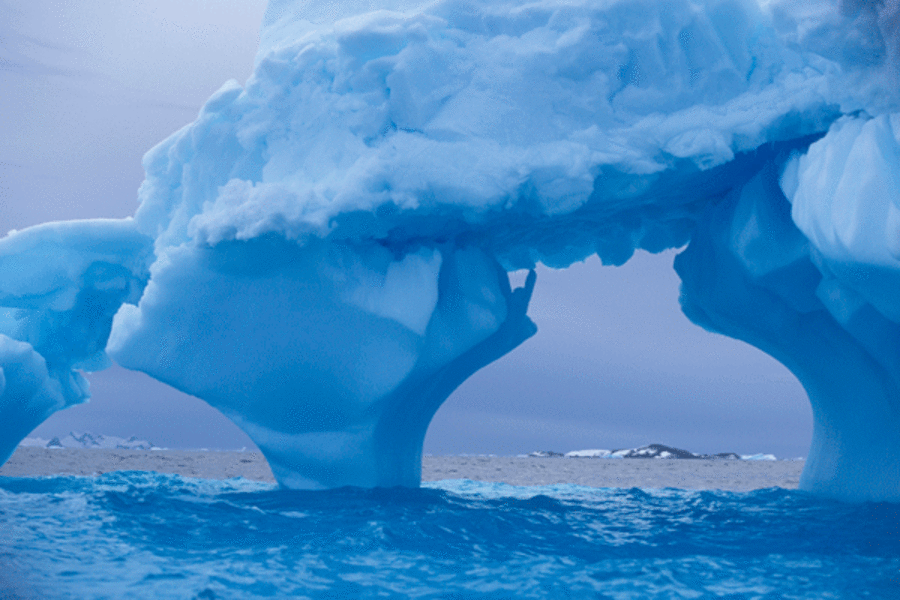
[[323, 253], [62, 283], [768, 457]]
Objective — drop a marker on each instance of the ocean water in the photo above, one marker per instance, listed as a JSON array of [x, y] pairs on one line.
[[145, 535]]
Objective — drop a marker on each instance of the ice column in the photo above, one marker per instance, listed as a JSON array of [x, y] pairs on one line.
[[332, 357], [751, 274]]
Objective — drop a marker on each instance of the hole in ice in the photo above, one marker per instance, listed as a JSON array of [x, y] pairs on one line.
[[616, 364]]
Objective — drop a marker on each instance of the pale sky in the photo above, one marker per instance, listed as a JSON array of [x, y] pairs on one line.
[[87, 87]]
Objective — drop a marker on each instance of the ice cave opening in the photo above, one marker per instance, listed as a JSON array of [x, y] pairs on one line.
[[616, 364]]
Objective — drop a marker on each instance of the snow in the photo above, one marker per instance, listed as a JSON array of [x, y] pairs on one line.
[[34, 442], [330, 241], [758, 457], [660, 451], [89, 440], [482, 113], [588, 454]]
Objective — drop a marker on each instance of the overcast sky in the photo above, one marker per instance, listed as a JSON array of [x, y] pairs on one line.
[[87, 87]]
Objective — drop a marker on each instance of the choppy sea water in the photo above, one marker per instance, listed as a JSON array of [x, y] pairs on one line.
[[146, 535]]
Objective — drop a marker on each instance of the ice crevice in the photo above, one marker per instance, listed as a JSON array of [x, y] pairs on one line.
[[322, 254]]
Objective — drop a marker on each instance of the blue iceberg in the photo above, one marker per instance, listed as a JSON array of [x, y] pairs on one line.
[[323, 254], [62, 283]]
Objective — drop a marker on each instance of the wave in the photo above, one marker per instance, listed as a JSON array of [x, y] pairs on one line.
[[146, 535]]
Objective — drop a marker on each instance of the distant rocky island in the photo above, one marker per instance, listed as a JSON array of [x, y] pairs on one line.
[[90, 440], [651, 451], [661, 451]]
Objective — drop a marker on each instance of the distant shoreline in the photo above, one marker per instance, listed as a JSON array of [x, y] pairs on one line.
[[734, 475]]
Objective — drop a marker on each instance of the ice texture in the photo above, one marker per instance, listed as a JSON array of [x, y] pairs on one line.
[[500, 122], [333, 358], [60, 286], [331, 240], [751, 273]]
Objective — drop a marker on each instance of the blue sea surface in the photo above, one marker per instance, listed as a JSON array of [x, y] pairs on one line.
[[146, 535]]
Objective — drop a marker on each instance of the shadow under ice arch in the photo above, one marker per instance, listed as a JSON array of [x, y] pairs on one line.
[[322, 254]]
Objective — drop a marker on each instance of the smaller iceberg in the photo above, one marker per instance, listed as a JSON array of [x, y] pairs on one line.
[[758, 457], [34, 442], [60, 285]]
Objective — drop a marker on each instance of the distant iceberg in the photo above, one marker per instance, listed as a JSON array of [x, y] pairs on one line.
[[34, 442], [323, 254], [758, 457]]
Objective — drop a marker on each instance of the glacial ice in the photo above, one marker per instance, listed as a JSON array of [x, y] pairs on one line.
[[332, 358], [328, 244], [62, 283]]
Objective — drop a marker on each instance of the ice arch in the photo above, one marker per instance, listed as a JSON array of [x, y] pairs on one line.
[[322, 253]]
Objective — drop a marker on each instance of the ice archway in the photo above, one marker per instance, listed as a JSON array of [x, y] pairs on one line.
[[322, 254]]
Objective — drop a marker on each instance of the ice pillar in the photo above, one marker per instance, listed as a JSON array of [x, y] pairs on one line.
[[750, 273], [332, 357]]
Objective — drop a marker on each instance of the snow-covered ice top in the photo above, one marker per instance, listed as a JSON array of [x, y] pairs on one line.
[[424, 120], [450, 118]]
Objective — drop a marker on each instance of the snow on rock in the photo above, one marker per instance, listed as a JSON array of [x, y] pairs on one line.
[[545, 454], [98, 441], [330, 240], [656, 451], [588, 454]]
